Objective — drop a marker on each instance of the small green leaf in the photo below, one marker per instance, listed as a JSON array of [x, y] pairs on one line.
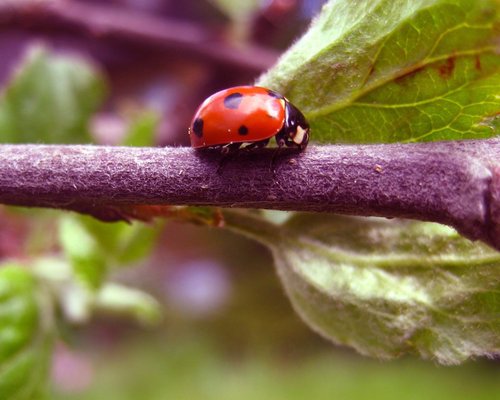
[[83, 251], [387, 288], [94, 247], [122, 300], [74, 298], [50, 99], [386, 71], [78, 302], [25, 335], [122, 243]]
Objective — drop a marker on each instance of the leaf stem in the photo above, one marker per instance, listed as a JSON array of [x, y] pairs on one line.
[[454, 183]]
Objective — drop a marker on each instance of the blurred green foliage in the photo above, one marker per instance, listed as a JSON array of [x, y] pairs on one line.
[[194, 369], [26, 334], [94, 247], [50, 99]]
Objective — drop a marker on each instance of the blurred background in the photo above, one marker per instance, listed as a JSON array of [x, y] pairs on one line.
[[227, 330]]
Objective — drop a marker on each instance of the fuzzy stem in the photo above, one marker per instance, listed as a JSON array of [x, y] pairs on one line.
[[454, 183]]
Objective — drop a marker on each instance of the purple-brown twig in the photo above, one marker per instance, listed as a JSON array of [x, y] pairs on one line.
[[454, 183]]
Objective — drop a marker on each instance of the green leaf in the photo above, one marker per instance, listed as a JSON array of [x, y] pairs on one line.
[[79, 302], [83, 252], [50, 99], [122, 300], [94, 247], [25, 335], [387, 288], [387, 71], [122, 243]]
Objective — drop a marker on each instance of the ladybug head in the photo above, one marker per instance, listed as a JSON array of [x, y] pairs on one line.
[[295, 131]]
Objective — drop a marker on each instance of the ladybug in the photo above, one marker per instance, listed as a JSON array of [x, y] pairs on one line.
[[248, 114]]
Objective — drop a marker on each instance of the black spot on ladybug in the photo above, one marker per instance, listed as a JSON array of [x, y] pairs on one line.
[[198, 127], [233, 101], [242, 130], [274, 94]]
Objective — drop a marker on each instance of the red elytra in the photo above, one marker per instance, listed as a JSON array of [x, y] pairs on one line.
[[248, 114]]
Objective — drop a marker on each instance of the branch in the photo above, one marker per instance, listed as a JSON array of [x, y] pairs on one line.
[[143, 31], [454, 183]]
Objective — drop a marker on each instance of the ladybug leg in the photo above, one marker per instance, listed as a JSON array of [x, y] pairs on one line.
[[228, 152], [281, 141], [257, 145], [290, 143], [230, 148], [281, 138]]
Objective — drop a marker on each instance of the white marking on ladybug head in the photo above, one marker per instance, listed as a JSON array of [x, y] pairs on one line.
[[299, 135]]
